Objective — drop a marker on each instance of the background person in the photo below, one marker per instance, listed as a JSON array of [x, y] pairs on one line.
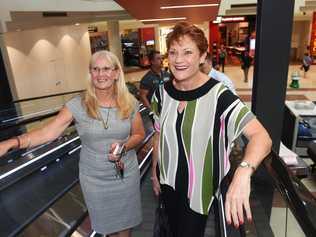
[[306, 63], [246, 60], [207, 68], [153, 78], [197, 119], [105, 114], [222, 56]]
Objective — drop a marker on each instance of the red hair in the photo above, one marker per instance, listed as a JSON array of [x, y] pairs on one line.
[[196, 34]]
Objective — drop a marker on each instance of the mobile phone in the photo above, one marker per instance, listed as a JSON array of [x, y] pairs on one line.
[[118, 149]]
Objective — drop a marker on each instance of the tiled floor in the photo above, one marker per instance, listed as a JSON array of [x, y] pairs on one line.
[[307, 85]]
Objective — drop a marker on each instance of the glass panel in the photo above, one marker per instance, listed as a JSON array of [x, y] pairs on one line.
[[293, 228], [32, 108], [272, 215], [60, 217]]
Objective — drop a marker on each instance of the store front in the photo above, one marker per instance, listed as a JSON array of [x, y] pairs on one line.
[[136, 42], [235, 34]]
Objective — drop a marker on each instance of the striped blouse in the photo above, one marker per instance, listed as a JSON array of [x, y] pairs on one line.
[[212, 119]]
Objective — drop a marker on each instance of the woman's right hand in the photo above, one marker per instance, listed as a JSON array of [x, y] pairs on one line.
[[156, 185]]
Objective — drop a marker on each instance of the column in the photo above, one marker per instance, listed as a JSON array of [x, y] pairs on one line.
[[273, 42], [157, 38], [7, 86], [115, 39]]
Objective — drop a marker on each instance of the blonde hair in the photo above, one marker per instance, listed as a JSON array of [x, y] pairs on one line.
[[125, 101]]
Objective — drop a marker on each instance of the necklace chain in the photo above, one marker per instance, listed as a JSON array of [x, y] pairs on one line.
[[105, 123]]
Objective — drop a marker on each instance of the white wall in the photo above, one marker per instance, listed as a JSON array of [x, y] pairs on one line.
[[48, 61], [300, 37]]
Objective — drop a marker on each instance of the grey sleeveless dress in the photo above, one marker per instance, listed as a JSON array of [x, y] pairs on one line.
[[113, 202]]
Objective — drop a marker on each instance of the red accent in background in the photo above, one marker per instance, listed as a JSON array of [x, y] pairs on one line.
[[146, 34], [313, 37], [214, 34], [214, 37]]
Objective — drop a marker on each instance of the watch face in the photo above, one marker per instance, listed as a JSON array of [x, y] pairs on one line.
[[244, 164]]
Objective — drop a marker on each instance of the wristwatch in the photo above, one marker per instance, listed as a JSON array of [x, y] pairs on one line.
[[245, 164]]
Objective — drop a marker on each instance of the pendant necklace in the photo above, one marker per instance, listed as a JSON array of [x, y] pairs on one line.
[[105, 123]]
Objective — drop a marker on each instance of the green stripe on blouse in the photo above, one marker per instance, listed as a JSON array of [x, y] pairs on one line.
[[207, 181], [244, 110], [187, 125], [154, 107], [221, 89]]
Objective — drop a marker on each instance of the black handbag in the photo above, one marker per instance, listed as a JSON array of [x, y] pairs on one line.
[[161, 225]]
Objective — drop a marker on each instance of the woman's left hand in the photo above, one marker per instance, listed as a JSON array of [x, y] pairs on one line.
[[237, 197]]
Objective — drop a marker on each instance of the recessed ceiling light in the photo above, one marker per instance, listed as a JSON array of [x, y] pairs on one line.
[[164, 19], [77, 24], [191, 6]]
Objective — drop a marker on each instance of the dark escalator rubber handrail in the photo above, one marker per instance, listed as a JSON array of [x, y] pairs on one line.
[[21, 121], [48, 96], [27, 121], [50, 113], [299, 199]]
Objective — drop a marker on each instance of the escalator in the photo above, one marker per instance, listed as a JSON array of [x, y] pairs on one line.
[[40, 193]]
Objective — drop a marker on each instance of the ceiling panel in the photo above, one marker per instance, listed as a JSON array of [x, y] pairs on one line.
[[150, 9]]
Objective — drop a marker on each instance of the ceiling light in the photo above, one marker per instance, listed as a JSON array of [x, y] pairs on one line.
[[191, 6], [218, 20], [164, 19], [77, 24], [237, 18]]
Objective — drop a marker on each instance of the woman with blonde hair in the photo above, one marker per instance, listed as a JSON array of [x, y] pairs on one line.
[[106, 117]]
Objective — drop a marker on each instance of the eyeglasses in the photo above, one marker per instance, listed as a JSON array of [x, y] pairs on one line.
[[103, 70]]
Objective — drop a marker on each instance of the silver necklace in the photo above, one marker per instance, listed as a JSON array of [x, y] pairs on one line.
[[105, 123]]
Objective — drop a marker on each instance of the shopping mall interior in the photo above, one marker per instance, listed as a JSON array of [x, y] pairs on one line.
[[46, 46]]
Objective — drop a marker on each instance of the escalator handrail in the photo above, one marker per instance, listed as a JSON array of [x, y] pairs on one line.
[[28, 120], [39, 115], [48, 96]]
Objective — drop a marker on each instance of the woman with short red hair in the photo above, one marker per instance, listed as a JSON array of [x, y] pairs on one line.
[[197, 119]]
